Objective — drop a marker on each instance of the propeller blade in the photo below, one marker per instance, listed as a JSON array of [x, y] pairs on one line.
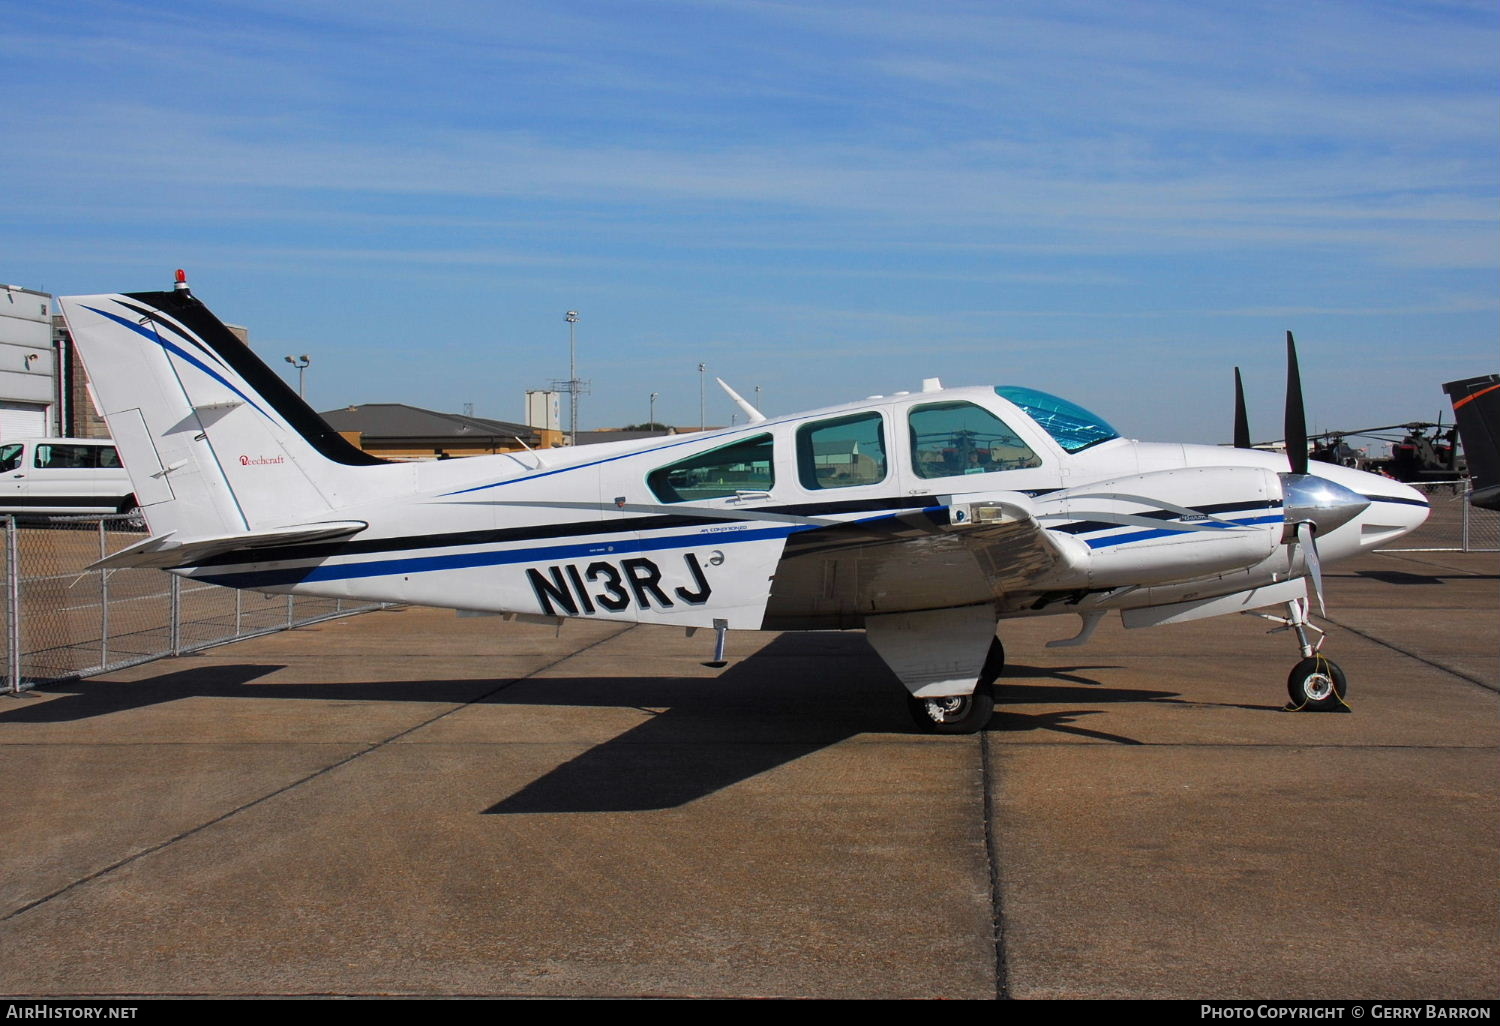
[[1296, 417], [1306, 538], [1241, 418]]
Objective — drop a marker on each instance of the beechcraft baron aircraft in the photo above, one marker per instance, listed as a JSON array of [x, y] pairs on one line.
[[924, 518]]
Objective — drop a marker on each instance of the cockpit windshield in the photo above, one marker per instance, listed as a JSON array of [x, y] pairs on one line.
[[1071, 426]]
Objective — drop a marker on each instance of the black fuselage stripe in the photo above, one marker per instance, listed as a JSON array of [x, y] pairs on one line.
[[539, 532], [407, 543], [1404, 502], [595, 528]]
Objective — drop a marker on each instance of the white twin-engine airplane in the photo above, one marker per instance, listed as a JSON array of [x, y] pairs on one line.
[[924, 518]]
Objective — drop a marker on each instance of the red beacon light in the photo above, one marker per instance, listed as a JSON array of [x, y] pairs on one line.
[[181, 285]]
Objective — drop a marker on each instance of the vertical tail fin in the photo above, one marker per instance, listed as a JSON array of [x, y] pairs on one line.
[[214, 441]]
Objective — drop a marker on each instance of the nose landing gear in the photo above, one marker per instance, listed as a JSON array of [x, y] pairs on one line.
[[1316, 684]]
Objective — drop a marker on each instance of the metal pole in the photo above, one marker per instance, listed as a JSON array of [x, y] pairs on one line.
[[12, 608], [1467, 507], [103, 600], [701, 422], [175, 630], [239, 598], [301, 363], [103, 617], [651, 420], [290, 611], [572, 319]]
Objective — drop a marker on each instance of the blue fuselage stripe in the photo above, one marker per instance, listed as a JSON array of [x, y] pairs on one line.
[[1123, 539], [468, 560]]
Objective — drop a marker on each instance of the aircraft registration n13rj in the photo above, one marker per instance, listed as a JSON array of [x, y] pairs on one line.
[[925, 518]]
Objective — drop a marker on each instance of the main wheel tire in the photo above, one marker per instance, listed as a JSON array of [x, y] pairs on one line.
[[954, 714], [1316, 684]]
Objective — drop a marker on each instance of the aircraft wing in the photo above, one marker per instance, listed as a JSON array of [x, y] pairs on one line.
[[935, 557]]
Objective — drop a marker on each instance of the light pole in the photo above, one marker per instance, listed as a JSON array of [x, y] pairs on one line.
[[300, 362], [651, 420], [701, 368], [572, 385], [572, 318]]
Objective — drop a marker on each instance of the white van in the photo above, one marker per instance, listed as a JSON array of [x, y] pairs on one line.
[[63, 475]]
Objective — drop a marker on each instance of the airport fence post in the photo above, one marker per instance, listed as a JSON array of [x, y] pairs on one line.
[[103, 604], [174, 629], [291, 612], [239, 599], [12, 608], [1465, 529], [103, 598]]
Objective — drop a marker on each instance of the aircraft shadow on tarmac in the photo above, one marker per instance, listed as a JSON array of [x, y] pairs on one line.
[[1403, 577], [796, 695], [774, 707]]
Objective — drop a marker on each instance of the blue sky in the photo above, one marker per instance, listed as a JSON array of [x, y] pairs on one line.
[[1114, 202]]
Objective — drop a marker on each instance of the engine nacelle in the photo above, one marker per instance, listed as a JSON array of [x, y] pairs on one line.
[[1166, 525]]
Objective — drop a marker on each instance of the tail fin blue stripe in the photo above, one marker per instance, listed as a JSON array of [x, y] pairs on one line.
[[189, 357]]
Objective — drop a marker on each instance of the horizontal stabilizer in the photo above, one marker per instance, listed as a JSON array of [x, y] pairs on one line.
[[165, 551]]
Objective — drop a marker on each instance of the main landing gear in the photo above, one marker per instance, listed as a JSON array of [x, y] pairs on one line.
[[947, 659], [1315, 684], [962, 714]]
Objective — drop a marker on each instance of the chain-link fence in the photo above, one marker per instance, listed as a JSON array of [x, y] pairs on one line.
[[62, 620], [1454, 523]]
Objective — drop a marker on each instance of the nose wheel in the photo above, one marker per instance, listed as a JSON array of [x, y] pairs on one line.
[[1316, 685]]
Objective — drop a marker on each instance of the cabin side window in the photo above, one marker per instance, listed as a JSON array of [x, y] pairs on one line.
[[950, 439], [743, 466], [841, 453], [10, 457]]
